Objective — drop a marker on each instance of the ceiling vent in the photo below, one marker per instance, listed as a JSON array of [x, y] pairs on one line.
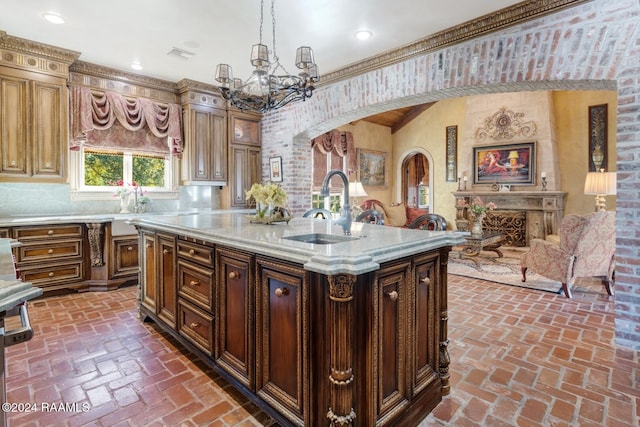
[[176, 52]]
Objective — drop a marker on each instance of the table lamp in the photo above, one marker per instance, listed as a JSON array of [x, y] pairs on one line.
[[601, 184], [356, 190]]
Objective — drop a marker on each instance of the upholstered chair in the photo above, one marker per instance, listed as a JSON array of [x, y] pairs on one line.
[[371, 216], [586, 249], [433, 222]]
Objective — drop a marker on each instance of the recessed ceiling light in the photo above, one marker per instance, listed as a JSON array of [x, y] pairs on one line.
[[53, 17], [136, 66], [363, 34]]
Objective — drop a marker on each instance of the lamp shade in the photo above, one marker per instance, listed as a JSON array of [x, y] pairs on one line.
[[600, 183], [356, 189], [513, 154]]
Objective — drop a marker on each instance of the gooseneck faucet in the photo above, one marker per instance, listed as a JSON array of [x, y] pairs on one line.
[[345, 218]]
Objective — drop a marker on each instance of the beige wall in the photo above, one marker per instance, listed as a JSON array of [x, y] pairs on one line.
[[377, 138], [572, 124]]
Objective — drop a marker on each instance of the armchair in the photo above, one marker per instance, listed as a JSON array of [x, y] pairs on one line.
[[587, 249]]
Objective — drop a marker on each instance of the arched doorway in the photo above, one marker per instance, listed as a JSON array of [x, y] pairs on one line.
[[416, 180]]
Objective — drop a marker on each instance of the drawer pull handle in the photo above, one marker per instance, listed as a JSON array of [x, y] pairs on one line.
[[425, 280], [50, 232], [194, 283], [50, 251], [281, 291], [192, 252], [393, 295], [130, 248], [51, 274], [194, 325], [166, 251], [234, 275]]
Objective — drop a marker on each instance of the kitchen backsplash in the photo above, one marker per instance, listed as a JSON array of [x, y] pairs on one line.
[[35, 199]]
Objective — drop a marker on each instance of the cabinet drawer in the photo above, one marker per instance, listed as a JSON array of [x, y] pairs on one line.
[[195, 325], [46, 232], [50, 251], [196, 252], [53, 274], [123, 257], [195, 283]]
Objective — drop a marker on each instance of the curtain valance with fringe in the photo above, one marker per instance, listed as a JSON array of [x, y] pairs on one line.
[[142, 124]]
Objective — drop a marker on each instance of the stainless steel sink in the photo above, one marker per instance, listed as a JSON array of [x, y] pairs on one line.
[[320, 238]]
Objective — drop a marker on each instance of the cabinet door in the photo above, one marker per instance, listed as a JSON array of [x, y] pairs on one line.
[[246, 169], [167, 280], [235, 307], [390, 302], [14, 133], [124, 257], [426, 327], [148, 265], [48, 129], [282, 338], [208, 132]]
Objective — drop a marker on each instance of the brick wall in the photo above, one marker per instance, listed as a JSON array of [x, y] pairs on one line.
[[593, 46]]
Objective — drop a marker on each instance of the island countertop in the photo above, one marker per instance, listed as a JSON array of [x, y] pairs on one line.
[[370, 244]]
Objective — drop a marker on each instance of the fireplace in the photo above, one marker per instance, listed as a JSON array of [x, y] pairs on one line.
[[520, 216]]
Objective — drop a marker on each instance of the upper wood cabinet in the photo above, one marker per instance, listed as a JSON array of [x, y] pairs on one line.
[[34, 126], [205, 131], [245, 159]]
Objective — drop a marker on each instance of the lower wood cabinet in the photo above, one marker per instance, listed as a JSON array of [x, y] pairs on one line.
[[308, 348], [235, 308], [196, 325], [282, 352], [123, 257]]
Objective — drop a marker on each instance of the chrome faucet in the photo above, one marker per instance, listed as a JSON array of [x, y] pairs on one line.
[[345, 218]]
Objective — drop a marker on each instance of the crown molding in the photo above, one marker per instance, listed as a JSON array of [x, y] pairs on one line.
[[503, 18], [34, 56]]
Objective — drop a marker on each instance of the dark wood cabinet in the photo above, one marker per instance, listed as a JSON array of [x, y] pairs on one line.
[[206, 143], [123, 257], [283, 377], [235, 306], [245, 156], [148, 257], [390, 331], [166, 292], [51, 256]]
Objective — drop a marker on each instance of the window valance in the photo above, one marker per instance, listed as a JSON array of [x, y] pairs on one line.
[[152, 126], [335, 140]]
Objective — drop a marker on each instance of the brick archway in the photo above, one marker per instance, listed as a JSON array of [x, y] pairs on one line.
[[592, 46]]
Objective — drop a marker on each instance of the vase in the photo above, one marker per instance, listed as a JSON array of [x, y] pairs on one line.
[[125, 201], [476, 230], [264, 210]]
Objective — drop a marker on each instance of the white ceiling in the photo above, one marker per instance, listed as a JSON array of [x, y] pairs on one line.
[[116, 33]]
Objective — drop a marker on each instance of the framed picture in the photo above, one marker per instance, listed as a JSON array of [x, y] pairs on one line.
[[275, 169], [597, 137], [452, 153], [505, 164], [372, 168]]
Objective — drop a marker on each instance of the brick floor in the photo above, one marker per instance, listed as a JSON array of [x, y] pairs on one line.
[[518, 358]]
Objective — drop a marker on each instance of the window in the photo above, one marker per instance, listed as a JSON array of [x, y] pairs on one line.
[[97, 172]]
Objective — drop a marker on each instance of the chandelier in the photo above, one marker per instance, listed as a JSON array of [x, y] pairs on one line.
[[270, 86]]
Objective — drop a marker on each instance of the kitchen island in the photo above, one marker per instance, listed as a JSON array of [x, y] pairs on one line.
[[314, 326]]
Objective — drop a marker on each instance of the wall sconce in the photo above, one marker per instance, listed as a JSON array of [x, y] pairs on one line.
[[601, 184]]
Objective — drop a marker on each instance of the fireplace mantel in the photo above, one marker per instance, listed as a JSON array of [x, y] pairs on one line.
[[543, 210]]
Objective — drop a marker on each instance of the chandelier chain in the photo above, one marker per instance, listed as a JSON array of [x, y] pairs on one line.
[[261, 18], [273, 26]]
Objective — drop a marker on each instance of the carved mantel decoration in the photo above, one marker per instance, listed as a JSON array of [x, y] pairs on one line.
[[505, 124]]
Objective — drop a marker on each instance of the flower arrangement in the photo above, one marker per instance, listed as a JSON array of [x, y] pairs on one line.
[[125, 188], [477, 207], [266, 195]]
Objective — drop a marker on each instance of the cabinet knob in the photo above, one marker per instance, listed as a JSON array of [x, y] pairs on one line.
[[50, 251], [234, 275], [425, 280], [50, 232], [393, 295], [281, 291], [130, 248], [194, 283], [51, 274], [192, 252], [194, 325], [166, 251]]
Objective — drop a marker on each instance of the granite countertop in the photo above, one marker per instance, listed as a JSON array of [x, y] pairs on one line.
[[44, 219], [370, 244]]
